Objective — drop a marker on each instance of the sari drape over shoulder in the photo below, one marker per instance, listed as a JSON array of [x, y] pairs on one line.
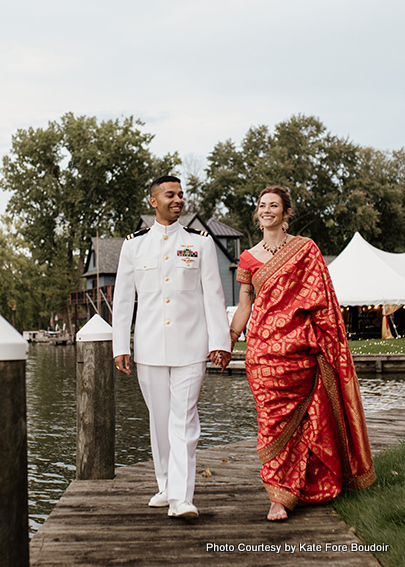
[[312, 434]]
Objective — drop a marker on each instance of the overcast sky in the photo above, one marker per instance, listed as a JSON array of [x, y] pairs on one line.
[[199, 72]]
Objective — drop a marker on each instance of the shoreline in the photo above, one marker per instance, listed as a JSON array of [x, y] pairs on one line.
[[364, 363]]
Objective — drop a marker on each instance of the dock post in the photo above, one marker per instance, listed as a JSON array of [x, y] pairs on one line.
[[95, 447], [14, 548]]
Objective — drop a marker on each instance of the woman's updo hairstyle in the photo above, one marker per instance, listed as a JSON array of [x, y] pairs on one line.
[[282, 192]]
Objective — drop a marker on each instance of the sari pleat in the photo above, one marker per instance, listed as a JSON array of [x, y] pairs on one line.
[[312, 435]]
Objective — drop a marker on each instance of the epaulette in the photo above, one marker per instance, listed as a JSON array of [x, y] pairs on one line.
[[195, 231], [137, 233]]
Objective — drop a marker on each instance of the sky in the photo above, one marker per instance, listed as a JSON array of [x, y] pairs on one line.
[[198, 72]]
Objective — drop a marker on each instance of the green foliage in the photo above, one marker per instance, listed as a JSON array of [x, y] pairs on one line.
[[21, 281], [380, 176], [69, 181], [378, 512], [337, 188], [76, 177]]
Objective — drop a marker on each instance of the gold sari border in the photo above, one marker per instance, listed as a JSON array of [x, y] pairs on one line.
[[349, 479], [281, 495], [277, 261], [363, 481], [270, 451], [328, 378]]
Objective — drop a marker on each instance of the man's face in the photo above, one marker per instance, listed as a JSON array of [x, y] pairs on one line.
[[167, 200]]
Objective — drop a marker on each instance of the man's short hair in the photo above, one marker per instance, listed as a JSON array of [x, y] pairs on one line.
[[163, 179]]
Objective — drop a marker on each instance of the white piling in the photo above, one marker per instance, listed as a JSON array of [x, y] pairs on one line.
[[95, 453]]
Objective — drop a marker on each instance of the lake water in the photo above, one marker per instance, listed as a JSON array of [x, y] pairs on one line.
[[226, 407]]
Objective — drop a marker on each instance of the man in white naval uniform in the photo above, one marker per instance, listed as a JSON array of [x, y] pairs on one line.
[[180, 318]]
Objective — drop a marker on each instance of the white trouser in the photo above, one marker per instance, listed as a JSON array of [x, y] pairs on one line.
[[171, 395]]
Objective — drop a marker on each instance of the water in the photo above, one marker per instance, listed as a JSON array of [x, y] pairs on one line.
[[226, 408]]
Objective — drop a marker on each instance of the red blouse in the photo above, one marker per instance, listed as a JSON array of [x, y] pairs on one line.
[[248, 266]]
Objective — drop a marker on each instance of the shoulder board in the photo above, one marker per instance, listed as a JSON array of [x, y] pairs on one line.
[[195, 231], [137, 233]]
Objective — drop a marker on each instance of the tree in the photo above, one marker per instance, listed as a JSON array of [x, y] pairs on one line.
[[192, 181], [331, 192], [21, 298], [381, 177], [235, 179], [72, 179]]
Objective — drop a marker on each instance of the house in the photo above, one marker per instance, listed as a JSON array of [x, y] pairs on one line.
[[108, 253], [227, 242]]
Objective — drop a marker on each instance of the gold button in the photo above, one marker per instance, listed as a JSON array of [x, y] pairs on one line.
[[166, 279], [165, 237], [167, 300], [167, 322], [166, 257], [144, 265]]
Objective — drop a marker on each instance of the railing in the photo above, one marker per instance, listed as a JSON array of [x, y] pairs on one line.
[[106, 292]]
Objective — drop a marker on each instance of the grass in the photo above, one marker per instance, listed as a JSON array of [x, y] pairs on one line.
[[378, 346], [370, 346], [378, 512]]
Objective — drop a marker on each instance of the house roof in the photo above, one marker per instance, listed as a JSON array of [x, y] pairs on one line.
[[220, 229], [109, 252]]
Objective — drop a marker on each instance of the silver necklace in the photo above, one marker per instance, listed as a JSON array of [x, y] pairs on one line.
[[274, 249]]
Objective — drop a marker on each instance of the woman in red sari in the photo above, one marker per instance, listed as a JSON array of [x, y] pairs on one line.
[[312, 434]]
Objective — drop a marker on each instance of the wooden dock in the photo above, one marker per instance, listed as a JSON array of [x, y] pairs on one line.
[[108, 523]]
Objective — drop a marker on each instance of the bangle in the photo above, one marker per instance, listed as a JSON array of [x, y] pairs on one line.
[[237, 333]]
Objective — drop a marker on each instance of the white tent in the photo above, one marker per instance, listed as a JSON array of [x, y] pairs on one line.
[[365, 275]]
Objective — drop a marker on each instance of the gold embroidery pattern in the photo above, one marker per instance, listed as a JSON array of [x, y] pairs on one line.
[[278, 494], [332, 393], [268, 452], [363, 481], [349, 479], [243, 276], [277, 261]]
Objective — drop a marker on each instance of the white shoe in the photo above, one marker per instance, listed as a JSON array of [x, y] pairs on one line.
[[183, 509], [160, 500]]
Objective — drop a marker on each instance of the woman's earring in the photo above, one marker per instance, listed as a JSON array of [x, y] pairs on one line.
[[284, 226], [261, 227]]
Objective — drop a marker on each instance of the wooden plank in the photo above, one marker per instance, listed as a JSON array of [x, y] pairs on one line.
[[108, 522]]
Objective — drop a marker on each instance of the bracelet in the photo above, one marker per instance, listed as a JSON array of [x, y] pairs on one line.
[[235, 331]]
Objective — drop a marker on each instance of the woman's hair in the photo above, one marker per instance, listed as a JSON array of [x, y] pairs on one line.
[[282, 192]]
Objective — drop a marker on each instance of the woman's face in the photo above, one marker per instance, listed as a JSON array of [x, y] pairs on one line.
[[270, 211]]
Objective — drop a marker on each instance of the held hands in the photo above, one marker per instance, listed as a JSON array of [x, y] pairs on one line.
[[122, 363], [220, 358]]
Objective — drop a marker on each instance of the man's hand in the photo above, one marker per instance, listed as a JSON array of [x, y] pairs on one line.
[[220, 357], [122, 363]]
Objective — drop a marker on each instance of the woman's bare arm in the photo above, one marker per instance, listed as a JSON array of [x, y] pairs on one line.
[[242, 314]]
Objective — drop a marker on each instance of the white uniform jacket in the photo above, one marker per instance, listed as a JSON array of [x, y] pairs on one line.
[[181, 309]]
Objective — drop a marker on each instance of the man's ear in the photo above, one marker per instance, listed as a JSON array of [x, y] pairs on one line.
[[152, 201]]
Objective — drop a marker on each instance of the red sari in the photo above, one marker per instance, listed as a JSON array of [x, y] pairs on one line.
[[312, 434]]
